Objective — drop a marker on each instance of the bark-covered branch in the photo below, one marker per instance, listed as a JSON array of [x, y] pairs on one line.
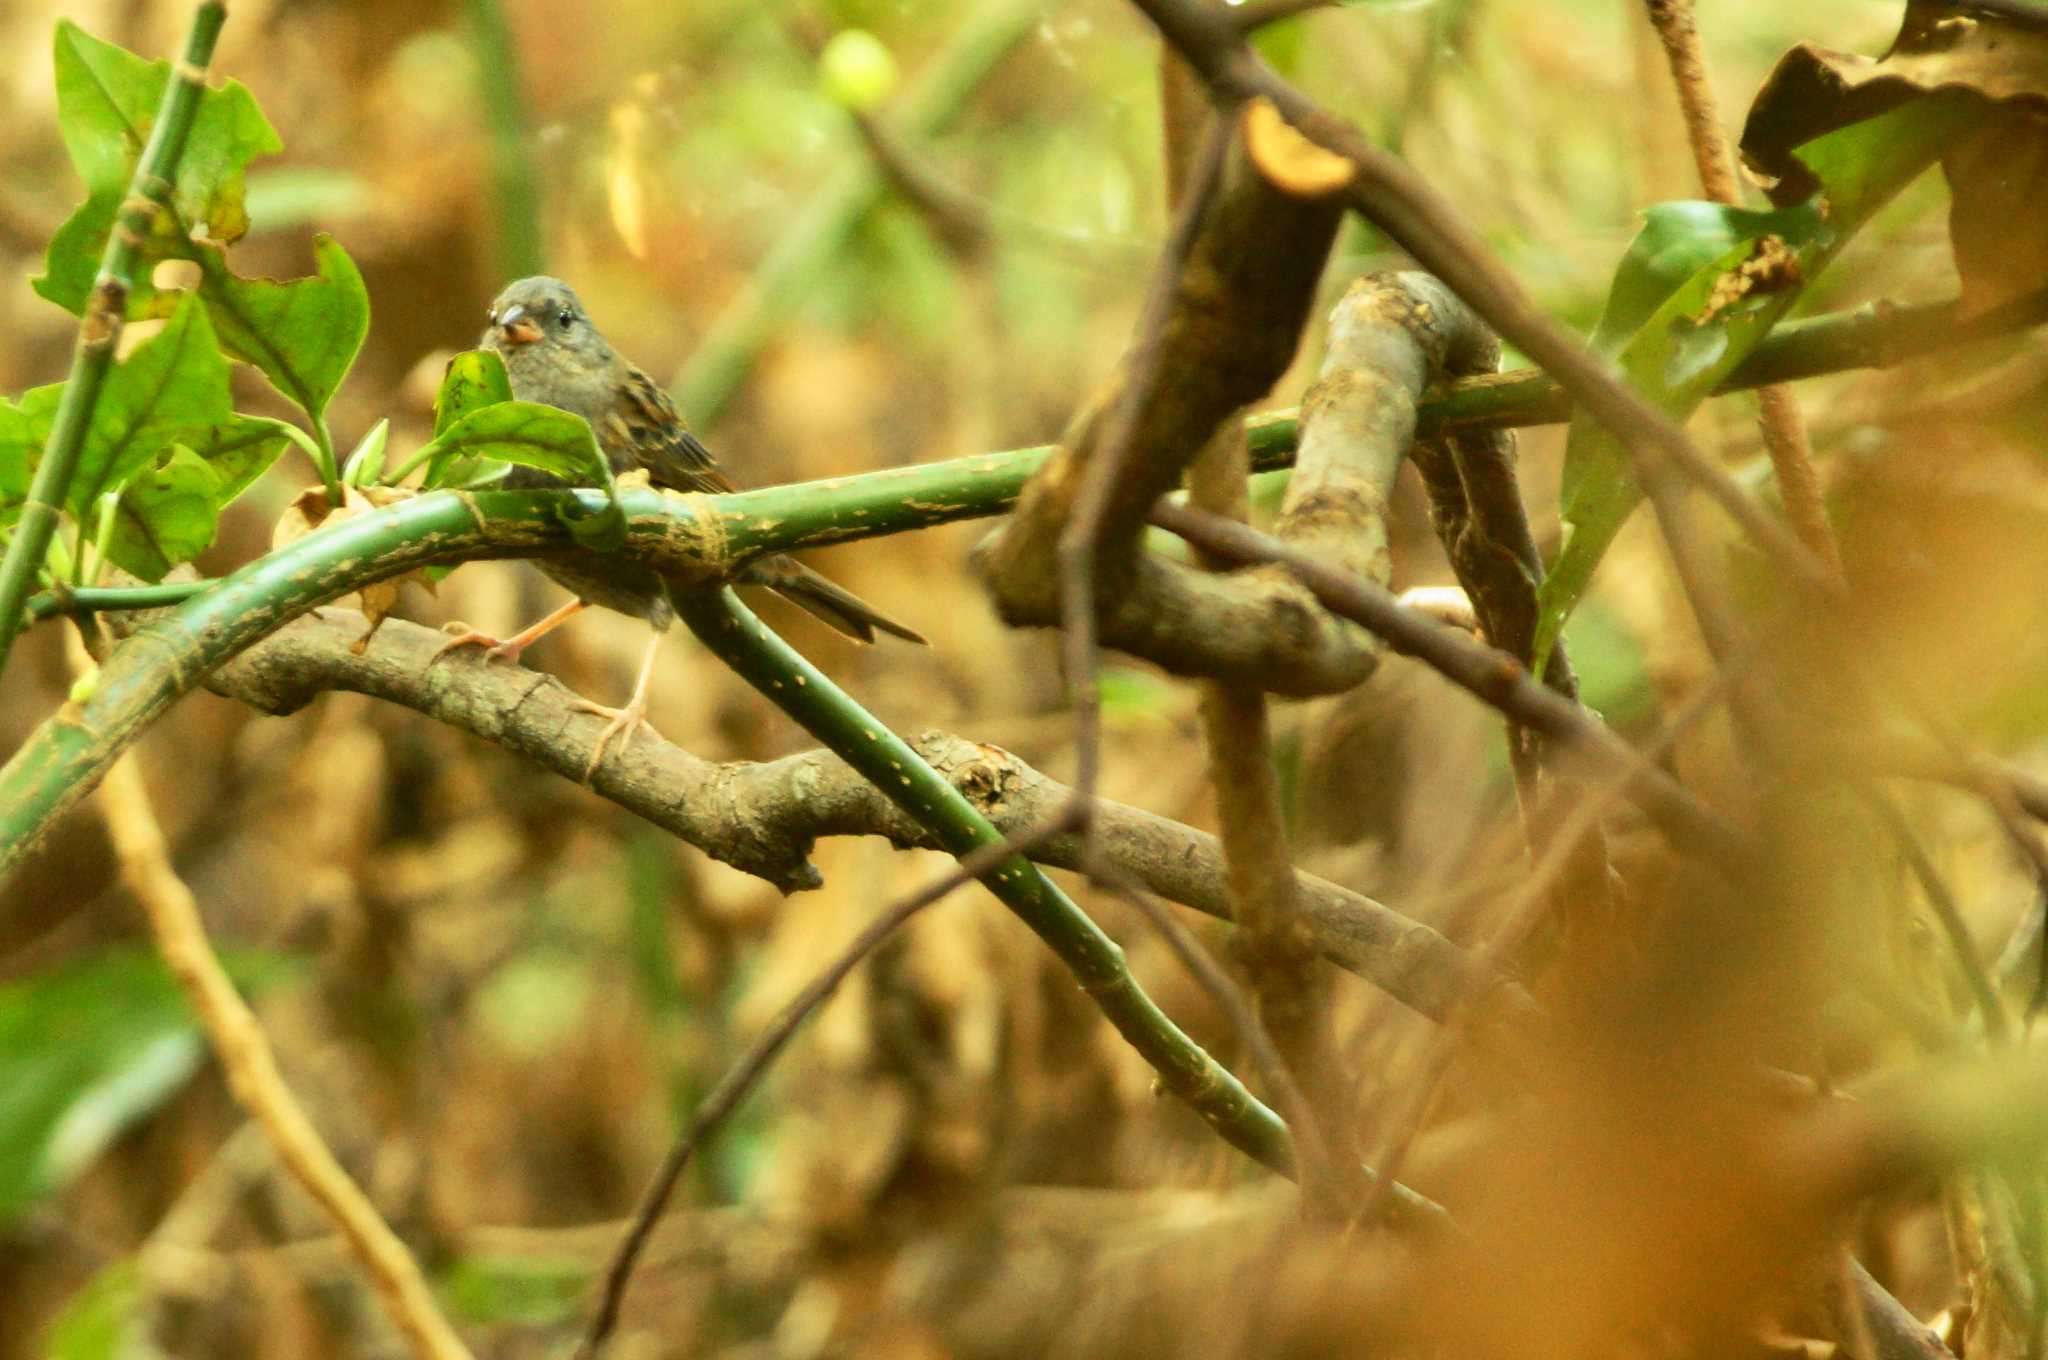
[[763, 818], [1235, 305], [1492, 676], [1391, 338]]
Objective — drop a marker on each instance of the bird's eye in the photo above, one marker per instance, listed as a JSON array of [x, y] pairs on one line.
[[564, 318], [491, 317]]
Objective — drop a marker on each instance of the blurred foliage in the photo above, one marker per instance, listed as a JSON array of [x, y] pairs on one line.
[[78, 1071], [100, 1321]]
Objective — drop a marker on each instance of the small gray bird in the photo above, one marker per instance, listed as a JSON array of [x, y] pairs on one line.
[[553, 355]]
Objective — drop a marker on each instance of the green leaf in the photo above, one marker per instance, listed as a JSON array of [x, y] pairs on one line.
[[535, 436], [1675, 358], [181, 466], [303, 334], [365, 466], [1676, 242], [239, 451], [102, 1320], [72, 260], [1678, 319], [166, 515], [106, 100], [86, 1050], [170, 513], [24, 429], [174, 384], [475, 379], [526, 433]]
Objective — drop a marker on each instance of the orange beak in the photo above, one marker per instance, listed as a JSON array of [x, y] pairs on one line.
[[517, 327]]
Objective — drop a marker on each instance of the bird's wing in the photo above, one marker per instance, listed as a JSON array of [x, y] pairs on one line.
[[647, 424]]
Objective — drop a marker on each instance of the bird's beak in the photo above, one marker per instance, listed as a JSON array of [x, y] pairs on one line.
[[517, 327]]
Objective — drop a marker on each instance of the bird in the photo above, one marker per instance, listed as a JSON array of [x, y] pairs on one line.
[[554, 355]]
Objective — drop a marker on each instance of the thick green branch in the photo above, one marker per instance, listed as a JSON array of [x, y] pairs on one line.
[[99, 332], [1873, 336], [694, 538]]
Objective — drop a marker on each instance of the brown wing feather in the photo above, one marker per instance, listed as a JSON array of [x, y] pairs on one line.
[[654, 435]]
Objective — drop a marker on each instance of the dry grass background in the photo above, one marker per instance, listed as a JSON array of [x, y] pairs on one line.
[[512, 991]]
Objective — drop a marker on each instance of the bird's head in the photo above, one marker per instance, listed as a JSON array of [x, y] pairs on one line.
[[538, 326]]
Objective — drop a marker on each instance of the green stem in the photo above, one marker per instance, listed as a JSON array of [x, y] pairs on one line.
[[692, 538], [786, 276], [514, 187], [411, 465], [100, 330], [323, 458], [91, 556], [828, 713], [101, 599], [1876, 335]]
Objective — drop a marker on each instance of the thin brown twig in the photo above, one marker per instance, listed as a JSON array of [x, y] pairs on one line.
[[1476, 509], [1256, 14], [1273, 944], [1943, 903], [245, 1056], [1784, 428], [1493, 676], [1080, 539], [1533, 903], [2000, 792], [960, 223], [1321, 1185], [741, 1078]]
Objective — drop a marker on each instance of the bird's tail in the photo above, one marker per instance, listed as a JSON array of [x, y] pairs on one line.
[[817, 595]]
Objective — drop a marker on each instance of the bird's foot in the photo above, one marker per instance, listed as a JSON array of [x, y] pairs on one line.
[[622, 723], [512, 647], [494, 650]]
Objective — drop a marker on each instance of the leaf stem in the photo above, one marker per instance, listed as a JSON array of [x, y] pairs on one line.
[[92, 555], [323, 459], [411, 465], [99, 332], [101, 599]]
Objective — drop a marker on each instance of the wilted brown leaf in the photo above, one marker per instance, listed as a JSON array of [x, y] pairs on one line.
[[1998, 221], [310, 510]]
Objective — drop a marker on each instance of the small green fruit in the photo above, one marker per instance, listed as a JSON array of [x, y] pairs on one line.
[[857, 70]]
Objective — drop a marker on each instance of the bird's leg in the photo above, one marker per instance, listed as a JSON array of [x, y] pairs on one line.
[[511, 647], [624, 721]]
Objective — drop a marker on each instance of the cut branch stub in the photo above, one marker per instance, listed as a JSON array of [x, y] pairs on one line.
[[1234, 324], [1391, 336]]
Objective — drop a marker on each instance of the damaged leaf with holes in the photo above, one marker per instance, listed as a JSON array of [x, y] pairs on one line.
[[301, 334], [164, 437], [1700, 288]]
